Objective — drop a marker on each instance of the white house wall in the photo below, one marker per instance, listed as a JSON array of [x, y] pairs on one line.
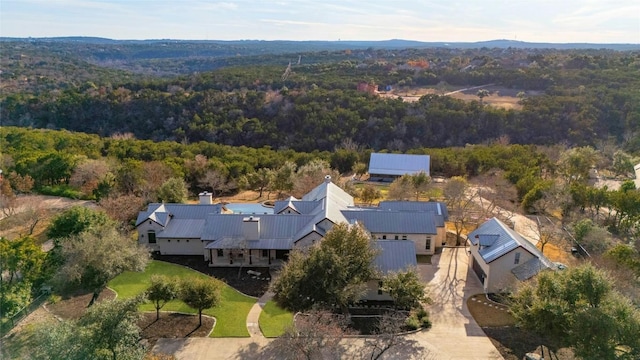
[[143, 230], [501, 278], [419, 241], [308, 240]]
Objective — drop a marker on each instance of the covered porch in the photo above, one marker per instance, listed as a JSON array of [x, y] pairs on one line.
[[241, 252]]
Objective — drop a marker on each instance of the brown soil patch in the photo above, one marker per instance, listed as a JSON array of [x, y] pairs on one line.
[[488, 313], [74, 306], [513, 343], [173, 325], [499, 96]]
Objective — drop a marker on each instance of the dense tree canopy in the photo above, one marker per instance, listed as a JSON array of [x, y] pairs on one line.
[[331, 274], [578, 307]]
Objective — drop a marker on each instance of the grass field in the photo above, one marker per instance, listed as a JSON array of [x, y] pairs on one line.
[[274, 320], [230, 314]]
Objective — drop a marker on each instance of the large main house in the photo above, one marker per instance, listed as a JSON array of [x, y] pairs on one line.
[[225, 238]]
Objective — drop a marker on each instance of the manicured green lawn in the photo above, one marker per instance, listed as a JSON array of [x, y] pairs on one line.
[[230, 314], [274, 320]]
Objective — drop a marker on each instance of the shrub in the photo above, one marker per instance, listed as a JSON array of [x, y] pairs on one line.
[[412, 323]]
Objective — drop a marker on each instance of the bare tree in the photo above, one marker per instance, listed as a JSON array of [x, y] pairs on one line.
[[88, 174], [390, 340], [216, 181], [315, 335], [460, 200]]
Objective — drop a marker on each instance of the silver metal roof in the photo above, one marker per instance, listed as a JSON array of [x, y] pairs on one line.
[[529, 269], [177, 211], [439, 208], [393, 222], [241, 243], [398, 164], [183, 229], [272, 226], [395, 255], [504, 240]]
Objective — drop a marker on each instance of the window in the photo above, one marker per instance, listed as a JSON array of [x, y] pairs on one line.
[[379, 287], [428, 245], [187, 240], [220, 253], [265, 253], [152, 236], [396, 237], [178, 240], [169, 240], [384, 237], [240, 255], [404, 237], [517, 260]]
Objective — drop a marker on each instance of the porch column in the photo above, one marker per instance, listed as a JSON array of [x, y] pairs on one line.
[[250, 259]]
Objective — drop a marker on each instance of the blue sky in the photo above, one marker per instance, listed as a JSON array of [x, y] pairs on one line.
[[593, 21]]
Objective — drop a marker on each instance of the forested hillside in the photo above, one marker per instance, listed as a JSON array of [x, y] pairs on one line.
[[577, 97]]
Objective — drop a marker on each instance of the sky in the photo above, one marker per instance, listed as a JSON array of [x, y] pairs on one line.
[[555, 21]]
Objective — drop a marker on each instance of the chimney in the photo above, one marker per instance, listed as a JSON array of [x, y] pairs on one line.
[[205, 198], [327, 178], [251, 228]]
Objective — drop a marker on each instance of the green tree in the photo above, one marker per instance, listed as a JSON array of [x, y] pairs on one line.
[[260, 180], [481, 94], [107, 331], [332, 273], [93, 258], [161, 291], [200, 294], [173, 190], [405, 288], [420, 183], [284, 178], [76, 220], [370, 193], [575, 163], [578, 307]]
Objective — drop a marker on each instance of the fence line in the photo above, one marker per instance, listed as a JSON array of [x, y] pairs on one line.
[[22, 313]]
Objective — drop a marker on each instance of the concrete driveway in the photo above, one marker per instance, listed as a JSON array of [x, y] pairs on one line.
[[454, 334]]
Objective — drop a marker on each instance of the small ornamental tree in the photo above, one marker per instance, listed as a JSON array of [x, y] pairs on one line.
[[200, 294], [405, 289], [161, 291]]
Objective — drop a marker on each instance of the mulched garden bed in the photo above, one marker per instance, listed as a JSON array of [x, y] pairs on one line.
[[245, 283], [173, 325], [74, 305]]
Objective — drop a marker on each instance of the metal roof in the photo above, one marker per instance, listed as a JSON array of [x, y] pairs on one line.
[[395, 255], [504, 240], [241, 243], [183, 228], [393, 222], [272, 226], [439, 208], [529, 269], [177, 211], [398, 164]]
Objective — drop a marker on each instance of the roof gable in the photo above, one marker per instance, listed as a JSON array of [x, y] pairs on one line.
[[501, 240]]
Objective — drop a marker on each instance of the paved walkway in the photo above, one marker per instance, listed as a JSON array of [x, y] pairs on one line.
[[454, 334], [254, 315]]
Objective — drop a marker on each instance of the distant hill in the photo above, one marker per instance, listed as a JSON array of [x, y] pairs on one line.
[[338, 45]]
